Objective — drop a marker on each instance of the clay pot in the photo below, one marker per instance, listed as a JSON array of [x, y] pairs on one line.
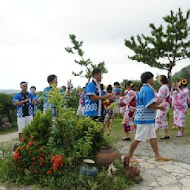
[[107, 156]]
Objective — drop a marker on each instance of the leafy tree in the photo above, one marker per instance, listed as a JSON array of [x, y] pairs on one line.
[[165, 46], [87, 63], [6, 107]]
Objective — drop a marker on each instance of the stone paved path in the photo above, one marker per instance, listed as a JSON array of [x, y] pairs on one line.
[[8, 137], [179, 152], [171, 175]]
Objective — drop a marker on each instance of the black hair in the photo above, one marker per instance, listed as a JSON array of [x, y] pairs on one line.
[[129, 83], [145, 76], [33, 87], [50, 78], [96, 71], [116, 83], [63, 87], [101, 86], [22, 82], [109, 88], [164, 79]]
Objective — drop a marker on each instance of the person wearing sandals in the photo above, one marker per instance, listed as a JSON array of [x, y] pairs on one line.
[[163, 96], [130, 107], [145, 118], [180, 101]]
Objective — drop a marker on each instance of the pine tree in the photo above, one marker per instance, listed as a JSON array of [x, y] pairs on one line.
[[87, 63], [165, 46]]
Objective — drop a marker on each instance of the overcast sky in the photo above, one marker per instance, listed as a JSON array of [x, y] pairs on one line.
[[33, 35]]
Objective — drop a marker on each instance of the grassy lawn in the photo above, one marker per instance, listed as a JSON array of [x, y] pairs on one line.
[[117, 132]]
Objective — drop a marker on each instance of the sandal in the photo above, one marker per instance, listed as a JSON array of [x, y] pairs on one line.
[[179, 134], [165, 137], [162, 159], [133, 160], [126, 138]]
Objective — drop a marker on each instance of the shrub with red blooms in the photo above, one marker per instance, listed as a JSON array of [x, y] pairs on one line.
[[57, 161]]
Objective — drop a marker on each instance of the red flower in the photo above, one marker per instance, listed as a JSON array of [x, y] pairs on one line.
[[33, 158], [22, 168], [30, 143], [57, 161], [17, 156], [49, 172], [23, 139], [35, 171]]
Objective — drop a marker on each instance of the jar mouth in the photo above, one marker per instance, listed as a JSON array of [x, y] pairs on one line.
[[88, 161], [105, 147]]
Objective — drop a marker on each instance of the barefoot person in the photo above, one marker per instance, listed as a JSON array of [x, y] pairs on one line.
[[24, 103], [145, 117]]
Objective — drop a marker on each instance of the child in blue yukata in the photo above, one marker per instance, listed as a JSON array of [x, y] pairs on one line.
[[145, 117], [37, 100], [94, 97], [24, 103], [52, 80]]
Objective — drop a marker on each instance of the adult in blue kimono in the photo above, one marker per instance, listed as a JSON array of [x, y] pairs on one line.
[[94, 96]]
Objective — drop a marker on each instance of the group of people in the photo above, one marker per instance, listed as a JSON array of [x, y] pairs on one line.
[[27, 103], [137, 108]]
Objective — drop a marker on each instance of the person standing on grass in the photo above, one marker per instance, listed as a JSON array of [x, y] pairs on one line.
[[163, 95], [94, 97], [24, 103], [180, 101], [109, 115], [145, 117], [37, 100], [129, 111]]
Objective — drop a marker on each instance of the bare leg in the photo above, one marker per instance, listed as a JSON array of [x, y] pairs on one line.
[[182, 130], [154, 146], [106, 128], [132, 148], [20, 137], [166, 132], [127, 135]]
